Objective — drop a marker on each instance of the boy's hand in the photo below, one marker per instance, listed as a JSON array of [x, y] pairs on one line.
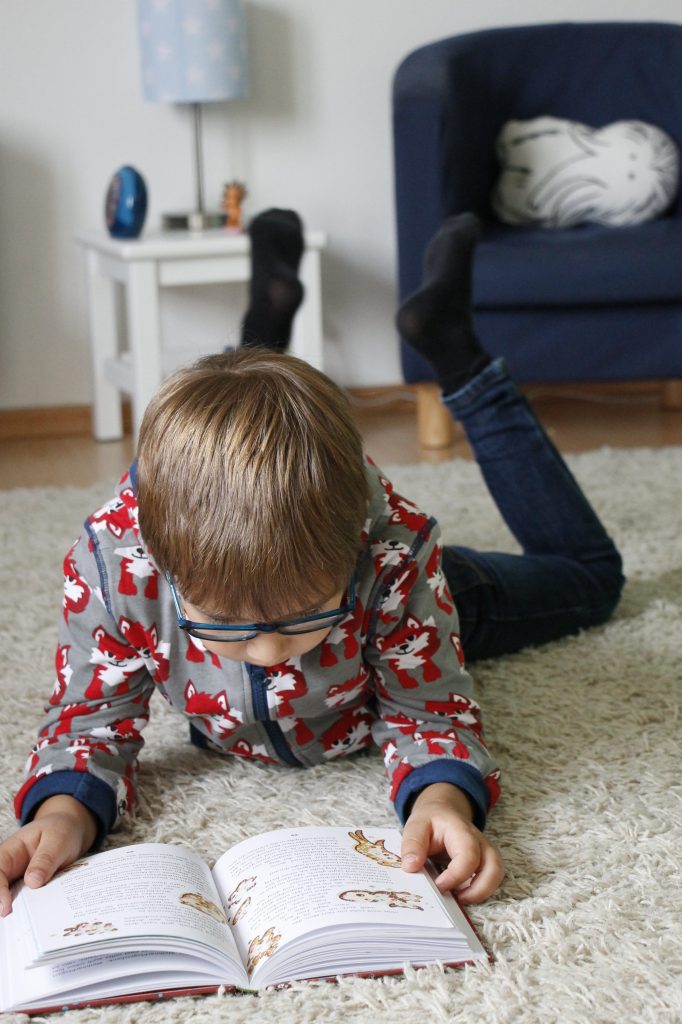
[[440, 823], [62, 830]]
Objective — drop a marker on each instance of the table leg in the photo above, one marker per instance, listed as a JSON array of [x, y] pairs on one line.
[[307, 340], [107, 421], [144, 336]]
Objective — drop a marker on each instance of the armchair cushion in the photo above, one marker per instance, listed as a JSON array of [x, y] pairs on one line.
[[558, 173], [589, 265]]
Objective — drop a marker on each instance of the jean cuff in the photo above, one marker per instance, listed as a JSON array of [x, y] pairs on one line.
[[460, 401]]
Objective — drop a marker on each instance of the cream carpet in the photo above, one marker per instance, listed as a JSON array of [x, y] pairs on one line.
[[588, 924]]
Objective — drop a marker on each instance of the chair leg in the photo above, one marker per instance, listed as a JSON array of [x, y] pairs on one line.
[[671, 394], [435, 426]]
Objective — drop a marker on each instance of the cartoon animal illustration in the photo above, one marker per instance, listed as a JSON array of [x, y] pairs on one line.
[[114, 663], [36, 750], [389, 897], [351, 731], [76, 590], [198, 653], [438, 741], [204, 906], [125, 795], [123, 729], [80, 710], [404, 513], [286, 682], [437, 581], [136, 565], [388, 552], [146, 643], [214, 708], [375, 849], [64, 673], [397, 592], [262, 946], [462, 710], [82, 748], [89, 928], [237, 894], [346, 693], [302, 733], [345, 632], [114, 516], [410, 647], [236, 905], [244, 748]]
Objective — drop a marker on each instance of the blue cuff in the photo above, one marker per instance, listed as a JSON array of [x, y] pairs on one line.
[[458, 773], [97, 796]]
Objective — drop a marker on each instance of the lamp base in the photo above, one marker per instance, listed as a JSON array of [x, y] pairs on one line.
[[194, 220]]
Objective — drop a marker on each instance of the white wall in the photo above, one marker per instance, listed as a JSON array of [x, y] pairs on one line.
[[314, 136]]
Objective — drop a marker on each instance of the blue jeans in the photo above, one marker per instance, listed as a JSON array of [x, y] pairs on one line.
[[570, 573]]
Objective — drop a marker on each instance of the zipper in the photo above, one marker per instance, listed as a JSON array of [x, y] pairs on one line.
[[259, 698]]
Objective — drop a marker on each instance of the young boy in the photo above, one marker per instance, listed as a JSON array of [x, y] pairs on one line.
[[280, 594]]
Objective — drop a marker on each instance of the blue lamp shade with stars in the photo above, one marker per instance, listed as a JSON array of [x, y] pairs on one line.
[[193, 52]]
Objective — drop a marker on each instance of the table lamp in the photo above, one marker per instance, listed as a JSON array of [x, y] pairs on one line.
[[194, 52]]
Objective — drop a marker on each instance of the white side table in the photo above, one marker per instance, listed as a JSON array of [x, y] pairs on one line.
[[165, 260]]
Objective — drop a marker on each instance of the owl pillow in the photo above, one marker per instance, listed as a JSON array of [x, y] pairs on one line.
[[558, 173]]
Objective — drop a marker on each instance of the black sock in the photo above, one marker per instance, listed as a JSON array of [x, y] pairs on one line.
[[275, 292], [436, 320]]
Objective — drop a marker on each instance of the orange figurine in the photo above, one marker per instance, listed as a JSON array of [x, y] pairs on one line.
[[233, 195]]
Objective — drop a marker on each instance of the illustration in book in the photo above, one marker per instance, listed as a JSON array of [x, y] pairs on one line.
[[375, 849], [199, 902], [261, 947], [390, 898]]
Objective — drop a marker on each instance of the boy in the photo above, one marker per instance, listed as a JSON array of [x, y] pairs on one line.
[[278, 592]]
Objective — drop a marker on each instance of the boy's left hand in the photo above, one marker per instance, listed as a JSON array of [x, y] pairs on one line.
[[441, 824]]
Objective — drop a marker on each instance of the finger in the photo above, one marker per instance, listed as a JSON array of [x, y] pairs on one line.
[[415, 845], [14, 857], [465, 861], [51, 853], [486, 880]]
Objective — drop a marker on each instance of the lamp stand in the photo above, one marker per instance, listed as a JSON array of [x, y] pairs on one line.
[[198, 219]]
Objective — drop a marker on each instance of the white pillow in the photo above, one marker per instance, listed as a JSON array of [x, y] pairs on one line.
[[557, 173]]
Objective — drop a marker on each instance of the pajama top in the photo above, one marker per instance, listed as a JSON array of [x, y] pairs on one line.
[[392, 672]]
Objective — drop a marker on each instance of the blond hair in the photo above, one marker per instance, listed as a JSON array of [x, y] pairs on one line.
[[251, 484]]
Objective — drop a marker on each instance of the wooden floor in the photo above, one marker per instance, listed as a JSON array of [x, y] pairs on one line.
[[575, 420]]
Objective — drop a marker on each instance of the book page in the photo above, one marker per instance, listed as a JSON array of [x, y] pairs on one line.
[[284, 884], [118, 898]]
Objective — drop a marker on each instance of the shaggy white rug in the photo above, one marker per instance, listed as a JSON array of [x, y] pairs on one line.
[[588, 924]]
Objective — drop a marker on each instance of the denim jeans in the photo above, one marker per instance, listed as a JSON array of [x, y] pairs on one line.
[[569, 575]]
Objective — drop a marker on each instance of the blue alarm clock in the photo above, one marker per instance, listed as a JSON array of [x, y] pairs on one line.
[[125, 207]]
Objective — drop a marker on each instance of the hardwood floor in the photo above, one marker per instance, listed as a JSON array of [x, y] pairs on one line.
[[576, 421]]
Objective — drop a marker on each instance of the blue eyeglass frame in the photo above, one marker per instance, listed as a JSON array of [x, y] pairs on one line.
[[252, 629]]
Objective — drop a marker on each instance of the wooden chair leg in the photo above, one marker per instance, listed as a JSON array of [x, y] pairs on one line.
[[435, 426], [671, 394]]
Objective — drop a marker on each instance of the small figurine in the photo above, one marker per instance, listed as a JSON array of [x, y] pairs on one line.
[[233, 195]]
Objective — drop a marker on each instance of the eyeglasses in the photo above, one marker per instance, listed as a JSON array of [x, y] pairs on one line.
[[226, 633]]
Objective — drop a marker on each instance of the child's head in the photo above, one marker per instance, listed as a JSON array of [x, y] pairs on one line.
[[251, 485]]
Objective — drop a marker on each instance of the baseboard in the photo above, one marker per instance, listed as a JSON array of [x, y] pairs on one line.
[[51, 421], [76, 420]]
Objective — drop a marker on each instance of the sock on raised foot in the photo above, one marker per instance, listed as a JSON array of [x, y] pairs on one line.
[[437, 320], [275, 292]]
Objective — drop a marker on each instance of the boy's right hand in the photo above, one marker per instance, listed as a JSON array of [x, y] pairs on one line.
[[62, 830]]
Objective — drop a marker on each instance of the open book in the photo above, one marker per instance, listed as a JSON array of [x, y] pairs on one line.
[[151, 921]]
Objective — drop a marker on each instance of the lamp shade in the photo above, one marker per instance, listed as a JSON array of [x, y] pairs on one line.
[[193, 51]]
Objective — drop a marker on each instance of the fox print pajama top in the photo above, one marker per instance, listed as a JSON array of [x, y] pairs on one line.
[[391, 672]]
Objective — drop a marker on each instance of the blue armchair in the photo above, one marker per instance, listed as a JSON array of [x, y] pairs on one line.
[[588, 303]]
